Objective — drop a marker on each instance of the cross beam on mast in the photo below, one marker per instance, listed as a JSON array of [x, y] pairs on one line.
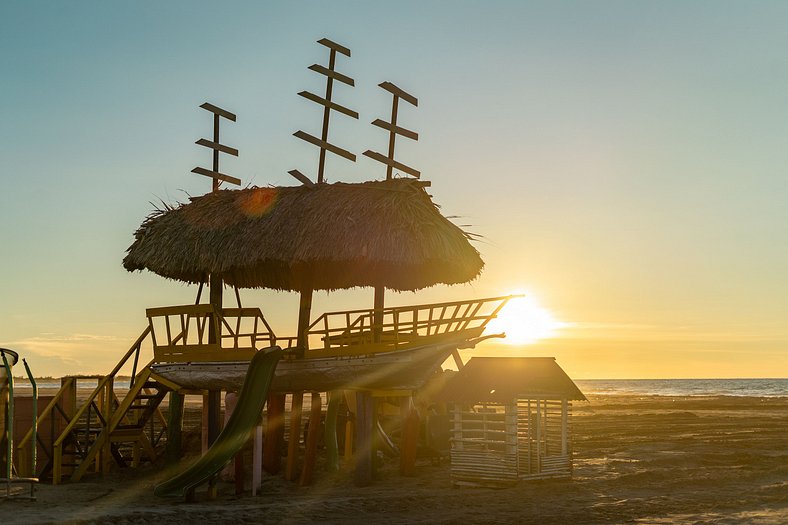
[[328, 105], [395, 130], [217, 148]]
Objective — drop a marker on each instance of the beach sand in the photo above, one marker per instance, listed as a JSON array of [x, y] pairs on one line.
[[643, 460]]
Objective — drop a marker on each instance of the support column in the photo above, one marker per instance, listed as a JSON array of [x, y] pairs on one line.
[[365, 424], [410, 437], [174, 428], [377, 317], [274, 433], [214, 397], [330, 434], [294, 439], [312, 439], [304, 312]]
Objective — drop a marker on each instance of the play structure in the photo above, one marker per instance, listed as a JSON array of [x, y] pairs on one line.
[[12, 482], [380, 234]]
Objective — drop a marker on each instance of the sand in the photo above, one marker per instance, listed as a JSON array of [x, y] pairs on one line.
[[644, 460]]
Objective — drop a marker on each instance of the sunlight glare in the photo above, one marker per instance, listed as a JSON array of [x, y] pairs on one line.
[[525, 321]]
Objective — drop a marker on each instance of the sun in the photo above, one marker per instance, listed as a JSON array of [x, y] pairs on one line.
[[525, 321]]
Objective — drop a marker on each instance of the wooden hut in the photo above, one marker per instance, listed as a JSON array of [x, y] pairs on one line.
[[510, 420]]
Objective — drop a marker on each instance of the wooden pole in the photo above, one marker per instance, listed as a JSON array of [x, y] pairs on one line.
[[377, 321], [214, 397], [312, 440], [365, 423], [294, 439], [257, 459], [175, 428], [326, 115], [330, 434], [410, 437], [274, 432], [392, 135], [304, 312]]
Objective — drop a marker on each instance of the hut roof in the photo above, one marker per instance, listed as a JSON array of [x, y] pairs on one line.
[[328, 237], [501, 379]]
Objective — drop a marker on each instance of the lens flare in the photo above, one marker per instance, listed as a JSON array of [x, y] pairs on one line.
[[258, 202]]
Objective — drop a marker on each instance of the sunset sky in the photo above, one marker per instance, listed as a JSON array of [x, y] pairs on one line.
[[625, 162]]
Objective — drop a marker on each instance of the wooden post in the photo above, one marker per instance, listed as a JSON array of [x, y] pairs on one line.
[[214, 397], [312, 440], [274, 431], [377, 318], [174, 428], [304, 312], [349, 432], [330, 434], [410, 437], [257, 459], [236, 471], [105, 457], [365, 424], [294, 439]]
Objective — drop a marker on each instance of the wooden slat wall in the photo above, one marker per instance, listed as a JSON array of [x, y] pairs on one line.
[[484, 444], [499, 444], [543, 436]]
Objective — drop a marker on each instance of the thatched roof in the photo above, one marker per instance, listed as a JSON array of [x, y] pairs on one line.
[[328, 237], [502, 379]]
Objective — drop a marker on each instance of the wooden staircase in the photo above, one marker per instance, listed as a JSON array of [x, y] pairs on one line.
[[104, 429]]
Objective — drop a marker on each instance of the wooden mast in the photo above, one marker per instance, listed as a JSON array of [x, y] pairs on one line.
[[216, 285], [305, 303], [391, 164]]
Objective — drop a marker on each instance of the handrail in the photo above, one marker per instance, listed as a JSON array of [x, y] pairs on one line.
[[433, 319], [179, 330], [136, 347], [44, 413]]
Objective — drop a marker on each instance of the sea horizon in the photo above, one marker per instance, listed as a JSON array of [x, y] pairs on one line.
[[684, 387]]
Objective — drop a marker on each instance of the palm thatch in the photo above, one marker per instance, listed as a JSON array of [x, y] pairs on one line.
[[328, 237]]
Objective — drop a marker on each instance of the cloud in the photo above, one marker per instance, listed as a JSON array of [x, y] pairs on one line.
[[77, 353]]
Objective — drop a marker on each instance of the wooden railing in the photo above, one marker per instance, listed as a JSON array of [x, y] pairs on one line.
[[340, 332], [182, 333], [103, 400]]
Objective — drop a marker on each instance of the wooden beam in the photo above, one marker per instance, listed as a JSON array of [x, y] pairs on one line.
[[410, 437], [218, 111], [330, 434], [302, 178], [274, 430], [333, 74], [217, 175], [336, 47], [325, 145], [327, 103], [396, 129], [312, 440], [393, 163], [219, 147], [294, 438], [365, 424], [397, 92], [174, 428]]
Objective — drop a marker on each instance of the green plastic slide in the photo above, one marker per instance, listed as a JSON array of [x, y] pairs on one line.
[[235, 434]]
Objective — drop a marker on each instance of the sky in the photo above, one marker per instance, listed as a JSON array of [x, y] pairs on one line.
[[624, 162]]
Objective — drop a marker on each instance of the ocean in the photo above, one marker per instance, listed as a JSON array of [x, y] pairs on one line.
[[645, 387], [686, 387]]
